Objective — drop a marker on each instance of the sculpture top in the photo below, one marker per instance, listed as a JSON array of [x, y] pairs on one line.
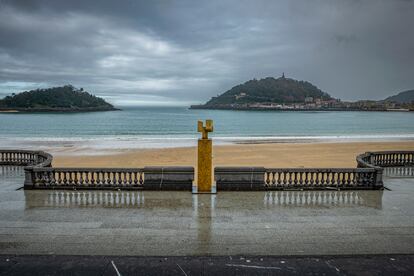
[[205, 129]]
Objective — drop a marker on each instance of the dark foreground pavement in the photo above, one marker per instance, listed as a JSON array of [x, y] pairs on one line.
[[217, 265]]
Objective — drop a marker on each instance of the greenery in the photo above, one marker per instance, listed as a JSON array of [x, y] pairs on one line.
[[269, 90], [403, 97], [65, 98]]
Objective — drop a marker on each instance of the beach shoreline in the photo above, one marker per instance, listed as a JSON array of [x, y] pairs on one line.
[[281, 155]]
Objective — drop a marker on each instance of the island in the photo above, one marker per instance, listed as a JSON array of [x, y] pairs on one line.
[[288, 94], [56, 99]]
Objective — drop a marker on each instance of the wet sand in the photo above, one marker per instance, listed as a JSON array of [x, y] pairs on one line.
[[281, 155]]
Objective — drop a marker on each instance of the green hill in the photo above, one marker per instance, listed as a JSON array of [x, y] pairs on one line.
[[402, 97], [65, 98], [269, 90]]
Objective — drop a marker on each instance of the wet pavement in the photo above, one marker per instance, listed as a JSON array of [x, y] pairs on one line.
[[228, 223]]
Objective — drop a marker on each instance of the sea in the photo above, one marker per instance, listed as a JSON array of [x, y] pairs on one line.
[[164, 127]]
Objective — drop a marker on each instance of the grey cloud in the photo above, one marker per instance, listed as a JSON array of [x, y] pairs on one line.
[[188, 51]]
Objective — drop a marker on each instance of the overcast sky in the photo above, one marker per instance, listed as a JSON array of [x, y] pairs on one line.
[[181, 52]]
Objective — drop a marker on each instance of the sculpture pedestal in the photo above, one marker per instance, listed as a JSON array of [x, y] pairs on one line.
[[205, 166]]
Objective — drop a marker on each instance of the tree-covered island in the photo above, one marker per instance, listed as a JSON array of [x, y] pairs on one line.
[[57, 99]]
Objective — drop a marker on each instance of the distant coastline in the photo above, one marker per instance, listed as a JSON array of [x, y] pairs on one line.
[[253, 108], [286, 94], [60, 110]]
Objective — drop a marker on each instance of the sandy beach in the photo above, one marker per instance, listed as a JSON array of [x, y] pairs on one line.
[[268, 155]]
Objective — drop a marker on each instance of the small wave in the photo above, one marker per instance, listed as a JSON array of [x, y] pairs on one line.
[[105, 144]]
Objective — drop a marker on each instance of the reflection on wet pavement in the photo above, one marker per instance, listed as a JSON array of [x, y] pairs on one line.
[[399, 171], [135, 199], [181, 223]]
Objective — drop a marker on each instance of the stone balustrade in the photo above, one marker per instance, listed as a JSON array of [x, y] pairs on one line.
[[256, 178], [86, 178], [25, 158], [381, 159], [40, 175], [148, 178], [322, 178]]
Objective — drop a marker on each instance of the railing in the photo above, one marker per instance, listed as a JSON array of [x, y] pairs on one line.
[[385, 159], [39, 174], [87, 178], [368, 175], [149, 178], [246, 178], [25, 158], [341, 178]]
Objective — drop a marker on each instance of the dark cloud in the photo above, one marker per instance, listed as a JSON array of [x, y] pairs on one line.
[[188, 51]]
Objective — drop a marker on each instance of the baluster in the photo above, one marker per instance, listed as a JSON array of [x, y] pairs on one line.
[[301, 178], [125, 178], [70, 178], [277, 178], [319, 179], [328, 179], [112, 178], [140, 177], [267, 178], [98, 178], [119, 182], [131, 179], [311, 179], [290, 176], [359, 179], [121, 179], [307, 178], [65, 178], [353, 182], [52, 178], [104, 178], [295, 181], [101, 178], [81, 178]]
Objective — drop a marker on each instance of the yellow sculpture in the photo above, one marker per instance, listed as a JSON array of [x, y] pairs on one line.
[[205, 158]]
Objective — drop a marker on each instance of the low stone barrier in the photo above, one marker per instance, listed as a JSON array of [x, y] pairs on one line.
[[259, 178], [239, 178], [380, 159], [148, 178], [169, 178], [40, 175], [25, 158]]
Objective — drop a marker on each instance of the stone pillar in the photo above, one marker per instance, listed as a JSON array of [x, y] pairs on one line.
[[205, 158], [378, 178], [28, 178]]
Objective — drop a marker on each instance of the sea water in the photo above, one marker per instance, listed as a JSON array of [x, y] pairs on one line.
[[158, 127]]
